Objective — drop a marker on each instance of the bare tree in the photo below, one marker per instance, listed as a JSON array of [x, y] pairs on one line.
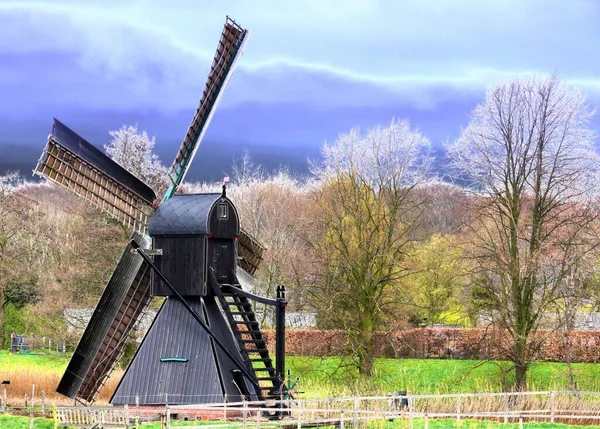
[[133, 150], [365, 233], [529, 153]]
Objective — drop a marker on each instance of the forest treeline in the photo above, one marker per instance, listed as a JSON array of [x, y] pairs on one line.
[[371, 243]]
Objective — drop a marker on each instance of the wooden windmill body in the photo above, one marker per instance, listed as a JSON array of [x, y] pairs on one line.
[[205, 343]]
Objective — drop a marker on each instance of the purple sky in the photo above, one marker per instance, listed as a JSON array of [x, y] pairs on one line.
[[311, 69]]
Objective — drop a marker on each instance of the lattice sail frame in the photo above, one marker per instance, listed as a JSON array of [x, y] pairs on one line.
[[67, 169], [124, 299], [113, 346], [250, 253], [229, 50]]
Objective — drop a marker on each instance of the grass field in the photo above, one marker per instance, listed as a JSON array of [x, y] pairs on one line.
[[327, 376], [321, 377]]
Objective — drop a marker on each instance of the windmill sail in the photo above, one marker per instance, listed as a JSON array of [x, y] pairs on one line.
[[230, 47], [125, 297], [71, 162]]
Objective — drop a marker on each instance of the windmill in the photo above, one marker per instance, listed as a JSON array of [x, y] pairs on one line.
[[204, 343]]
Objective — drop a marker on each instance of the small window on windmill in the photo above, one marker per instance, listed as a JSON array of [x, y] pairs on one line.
[[222, 211]]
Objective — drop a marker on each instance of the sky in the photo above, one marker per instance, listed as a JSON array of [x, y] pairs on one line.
[[310, 70]]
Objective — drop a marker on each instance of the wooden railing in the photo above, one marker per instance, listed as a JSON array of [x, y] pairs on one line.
[[563, 406], [91, 417]]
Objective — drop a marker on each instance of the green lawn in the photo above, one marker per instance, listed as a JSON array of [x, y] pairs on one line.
[[18, 422], [47, 361], [323, 376]]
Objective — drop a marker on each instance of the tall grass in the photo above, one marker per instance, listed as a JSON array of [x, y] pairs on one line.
[[44, 371]]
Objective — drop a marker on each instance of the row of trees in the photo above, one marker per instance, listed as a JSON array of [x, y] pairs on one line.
[[527, 240], [373, 243]]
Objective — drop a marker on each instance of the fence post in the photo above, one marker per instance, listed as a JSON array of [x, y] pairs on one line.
[[520, 422], [43, 403], [458, 410], [4, 400], [300, 414], [32, 395], [506, 410], [342, 419], [30, 420], [328, 406], [245, 408], [258, 416], [225, 406], [126, 415], [26, 401], [552, 402], [137, 406], [355, 414], [411, 404], [426, 421], [168, 417]]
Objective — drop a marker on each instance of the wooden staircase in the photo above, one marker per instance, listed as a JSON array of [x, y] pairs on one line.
[[252, 344]]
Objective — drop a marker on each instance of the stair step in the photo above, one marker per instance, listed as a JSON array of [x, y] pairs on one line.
[[240, 306], [249, 322], [265, 369], [236, 300], [266, 378], [261, 360], [242, 313], [257, 333]]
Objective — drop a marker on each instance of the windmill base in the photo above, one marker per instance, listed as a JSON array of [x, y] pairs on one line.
[[177, 363]]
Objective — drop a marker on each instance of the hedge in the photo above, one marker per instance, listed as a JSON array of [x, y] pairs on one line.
[[576, 346]]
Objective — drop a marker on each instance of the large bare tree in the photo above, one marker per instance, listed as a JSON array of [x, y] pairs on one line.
[[365, 230], [529, 154]]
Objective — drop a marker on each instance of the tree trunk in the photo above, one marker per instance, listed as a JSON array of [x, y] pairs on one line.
[[521, 376], [520, 361], [365, 347], [2, 319]]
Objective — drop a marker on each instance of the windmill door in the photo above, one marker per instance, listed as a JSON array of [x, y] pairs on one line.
[[221, 257]]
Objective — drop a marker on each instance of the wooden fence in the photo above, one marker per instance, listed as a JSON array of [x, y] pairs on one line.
[[558, 406]]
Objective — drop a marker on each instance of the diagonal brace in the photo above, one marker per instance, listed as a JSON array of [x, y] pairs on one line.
[[141, 252]]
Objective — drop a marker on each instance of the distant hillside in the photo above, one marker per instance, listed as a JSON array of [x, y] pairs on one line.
[[212, 162], [21, 158]]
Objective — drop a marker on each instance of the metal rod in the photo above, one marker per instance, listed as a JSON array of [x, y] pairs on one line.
[[280, 334], [204, 326]]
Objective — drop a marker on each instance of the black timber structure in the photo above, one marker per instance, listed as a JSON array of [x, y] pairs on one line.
[[205, 343]]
